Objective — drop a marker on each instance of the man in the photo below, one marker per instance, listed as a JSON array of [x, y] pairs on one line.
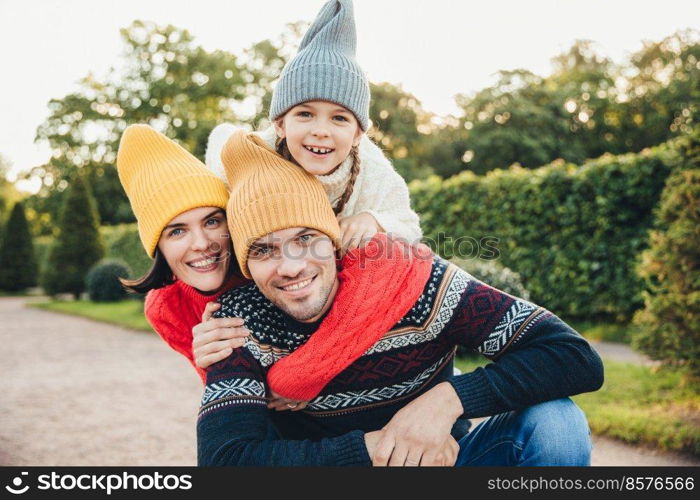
[[381, 391]]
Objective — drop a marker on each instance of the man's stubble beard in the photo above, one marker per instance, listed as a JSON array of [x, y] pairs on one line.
[[307, 311]]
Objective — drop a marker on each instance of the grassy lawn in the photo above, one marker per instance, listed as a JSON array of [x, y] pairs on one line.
[[610, 332], [126, 313], [639, 406]]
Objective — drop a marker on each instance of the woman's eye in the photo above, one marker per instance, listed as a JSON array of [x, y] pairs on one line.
[[305, 238], [213, 222], [340, 118], [175, 232], [304, 114]]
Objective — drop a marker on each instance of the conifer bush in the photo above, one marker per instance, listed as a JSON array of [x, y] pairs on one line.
[[18, 267], [77, 245]]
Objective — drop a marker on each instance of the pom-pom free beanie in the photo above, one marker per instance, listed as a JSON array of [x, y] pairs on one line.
[[163, 180], [325, 67]]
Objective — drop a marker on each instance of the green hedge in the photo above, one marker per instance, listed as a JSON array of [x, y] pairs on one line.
[[122, 242], [572, 233]]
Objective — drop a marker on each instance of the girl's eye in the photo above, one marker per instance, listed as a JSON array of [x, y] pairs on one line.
[[340, 118], [304, 114], [175, 232], [305, 238], [213, 222]]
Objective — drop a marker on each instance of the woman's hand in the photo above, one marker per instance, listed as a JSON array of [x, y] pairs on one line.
[[357, 230], [278, 403], [215, 339]]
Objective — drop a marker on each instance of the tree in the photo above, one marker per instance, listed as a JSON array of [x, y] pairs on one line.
[[77, 245], [18, 268], [588, 106], [664, 90], [399, 127], [8, 194], [166, 80]]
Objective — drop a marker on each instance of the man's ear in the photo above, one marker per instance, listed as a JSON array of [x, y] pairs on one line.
[[279, 127]]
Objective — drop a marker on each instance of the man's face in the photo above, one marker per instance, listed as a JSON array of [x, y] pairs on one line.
[[295, 269]]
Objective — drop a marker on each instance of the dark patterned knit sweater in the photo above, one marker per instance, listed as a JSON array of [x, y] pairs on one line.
[[537, 358]]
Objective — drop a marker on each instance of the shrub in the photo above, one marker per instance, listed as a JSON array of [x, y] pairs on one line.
[[670, 320], [77, 245], [18, 269], [122, 242], [103, 283], [495, 275], [572, 232]]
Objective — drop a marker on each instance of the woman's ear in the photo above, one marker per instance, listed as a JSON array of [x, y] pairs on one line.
[[279, 127]]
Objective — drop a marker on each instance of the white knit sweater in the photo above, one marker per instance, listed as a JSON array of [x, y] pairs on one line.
[[379, 190]]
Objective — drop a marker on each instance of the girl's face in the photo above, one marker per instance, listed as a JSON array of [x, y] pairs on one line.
[[196, 245], [319, 135]]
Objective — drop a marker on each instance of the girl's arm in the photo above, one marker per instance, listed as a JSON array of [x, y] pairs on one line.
[[383, 194]]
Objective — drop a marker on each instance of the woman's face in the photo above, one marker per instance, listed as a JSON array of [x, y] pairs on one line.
[[197, 246]]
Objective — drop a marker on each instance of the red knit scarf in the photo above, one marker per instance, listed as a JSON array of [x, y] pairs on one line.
[[379, 284]]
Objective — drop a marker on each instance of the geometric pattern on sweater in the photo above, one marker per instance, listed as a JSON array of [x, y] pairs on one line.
[[454, 309], [434, 319], [418, 314], [516, 321], [395, 365], [347, 399], [261, 317], [266, 354], [233, 387]]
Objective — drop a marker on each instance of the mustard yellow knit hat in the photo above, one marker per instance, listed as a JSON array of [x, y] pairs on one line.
[[269, 194], [162, 180]]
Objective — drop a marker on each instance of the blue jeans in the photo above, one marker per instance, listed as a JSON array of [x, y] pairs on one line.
[[551, 433]]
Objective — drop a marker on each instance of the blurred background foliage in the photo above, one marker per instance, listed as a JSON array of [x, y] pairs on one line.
[[587, 106], [566, 170]]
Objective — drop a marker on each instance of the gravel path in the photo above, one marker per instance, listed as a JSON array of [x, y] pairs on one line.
[[79, 392]]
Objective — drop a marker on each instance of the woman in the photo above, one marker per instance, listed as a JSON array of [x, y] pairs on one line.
[[180, 209]]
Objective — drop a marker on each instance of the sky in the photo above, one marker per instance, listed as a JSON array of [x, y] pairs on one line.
[[435, 49]]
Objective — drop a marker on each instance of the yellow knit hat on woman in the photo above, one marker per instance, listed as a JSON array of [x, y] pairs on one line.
[[269, 194], [162, 180]]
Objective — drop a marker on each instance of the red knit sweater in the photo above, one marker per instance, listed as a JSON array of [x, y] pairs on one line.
[[175, 309]]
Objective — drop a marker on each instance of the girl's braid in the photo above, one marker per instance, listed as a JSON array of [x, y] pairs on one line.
[[354, 172]]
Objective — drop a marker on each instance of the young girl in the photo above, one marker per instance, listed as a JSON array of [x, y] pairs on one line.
[[320, 113]]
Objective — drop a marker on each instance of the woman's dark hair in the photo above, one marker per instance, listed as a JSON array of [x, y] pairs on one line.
[[283, 151], [160, 275]]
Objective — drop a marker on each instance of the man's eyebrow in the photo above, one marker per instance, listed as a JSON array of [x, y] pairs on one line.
[[305, 230]]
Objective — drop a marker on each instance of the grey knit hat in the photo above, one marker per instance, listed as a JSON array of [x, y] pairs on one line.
[[325, 67]]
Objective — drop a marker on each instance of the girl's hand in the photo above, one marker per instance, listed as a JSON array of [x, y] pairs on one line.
[[278, 403], [356, 231], [215, 339]]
